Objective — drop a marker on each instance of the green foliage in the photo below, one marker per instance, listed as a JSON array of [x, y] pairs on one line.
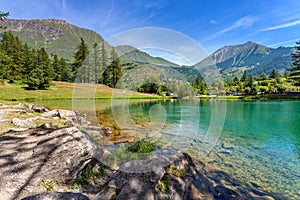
[[150, 85], [3, 16], [79, 69], [177, 172], [143, 146], [88, 176], [37, 80], [199, 86], [76, 186], [263, 76], [32, 67], [274, 74], [113, 72], [184, 90], [295, 71], [244, 77], [164, 183], [48, 184]]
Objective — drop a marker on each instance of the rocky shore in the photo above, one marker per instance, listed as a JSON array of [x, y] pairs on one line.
[[52, 155]]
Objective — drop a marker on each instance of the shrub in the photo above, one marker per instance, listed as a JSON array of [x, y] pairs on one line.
[[143, 146]]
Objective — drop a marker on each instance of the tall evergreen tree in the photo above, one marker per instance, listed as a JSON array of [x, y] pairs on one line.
[[56, 67], [295, 71], [96, 62], [199, 86], [80, 56], [3, 16], [12, 47], [245, 77], [64, 71], [274, 74], [103, 66]]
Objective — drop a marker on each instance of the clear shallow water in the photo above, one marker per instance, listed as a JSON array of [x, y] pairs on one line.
[[259, 144], [261, 140]]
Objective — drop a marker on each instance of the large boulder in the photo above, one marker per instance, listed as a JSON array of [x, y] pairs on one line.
[[38, 155]]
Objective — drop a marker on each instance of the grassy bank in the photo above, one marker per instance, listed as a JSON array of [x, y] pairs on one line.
[[255, 97], [63, 90]]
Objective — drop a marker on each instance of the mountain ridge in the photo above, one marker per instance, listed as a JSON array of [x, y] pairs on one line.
[[250, 56], [62, 38], [55, 35]]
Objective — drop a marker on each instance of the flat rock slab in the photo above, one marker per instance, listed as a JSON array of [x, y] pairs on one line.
[[29, 157]]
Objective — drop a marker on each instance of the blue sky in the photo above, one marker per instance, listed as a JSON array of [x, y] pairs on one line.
[[212, 23]]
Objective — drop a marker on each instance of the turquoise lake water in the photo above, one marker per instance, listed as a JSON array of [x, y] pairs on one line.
[[261, 139], [256, 142]]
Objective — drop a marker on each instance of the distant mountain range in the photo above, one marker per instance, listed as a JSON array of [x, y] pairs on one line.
[[61, 38], [253, 57]]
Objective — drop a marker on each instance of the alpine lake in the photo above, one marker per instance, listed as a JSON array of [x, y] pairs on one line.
[[256, 142]]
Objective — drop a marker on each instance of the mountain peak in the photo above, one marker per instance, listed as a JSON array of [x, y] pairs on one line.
[[123, 49], [250, 43]]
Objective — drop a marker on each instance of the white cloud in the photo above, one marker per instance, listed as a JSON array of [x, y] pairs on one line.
[[212, 21], [179, 48], [288, 42], [243, 22], [285, 25]]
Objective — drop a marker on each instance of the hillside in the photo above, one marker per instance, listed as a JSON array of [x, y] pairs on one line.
[[61, 38], [256, 58], [57, 36], [133, 54]]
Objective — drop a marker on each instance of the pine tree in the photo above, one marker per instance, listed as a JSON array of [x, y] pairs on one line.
[[263, 76], [96, 63], [56, 67], [295, 71], [28, 61], [3, 16], [274, 74], [40, 77], [236, 81], [64, 71], [12, 47], [245, 77], [116, 68], [80, 56], [103, 66]]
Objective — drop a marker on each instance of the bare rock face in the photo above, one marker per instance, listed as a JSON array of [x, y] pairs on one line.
[[40, 154]]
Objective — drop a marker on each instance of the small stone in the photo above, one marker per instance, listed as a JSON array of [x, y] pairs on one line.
[[66, 113], [24, 123], [52, 113], [38, 108]]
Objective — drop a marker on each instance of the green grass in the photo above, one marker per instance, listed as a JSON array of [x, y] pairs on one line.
[[63, 90], [143, 146], [88, 176], [177, 172]]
